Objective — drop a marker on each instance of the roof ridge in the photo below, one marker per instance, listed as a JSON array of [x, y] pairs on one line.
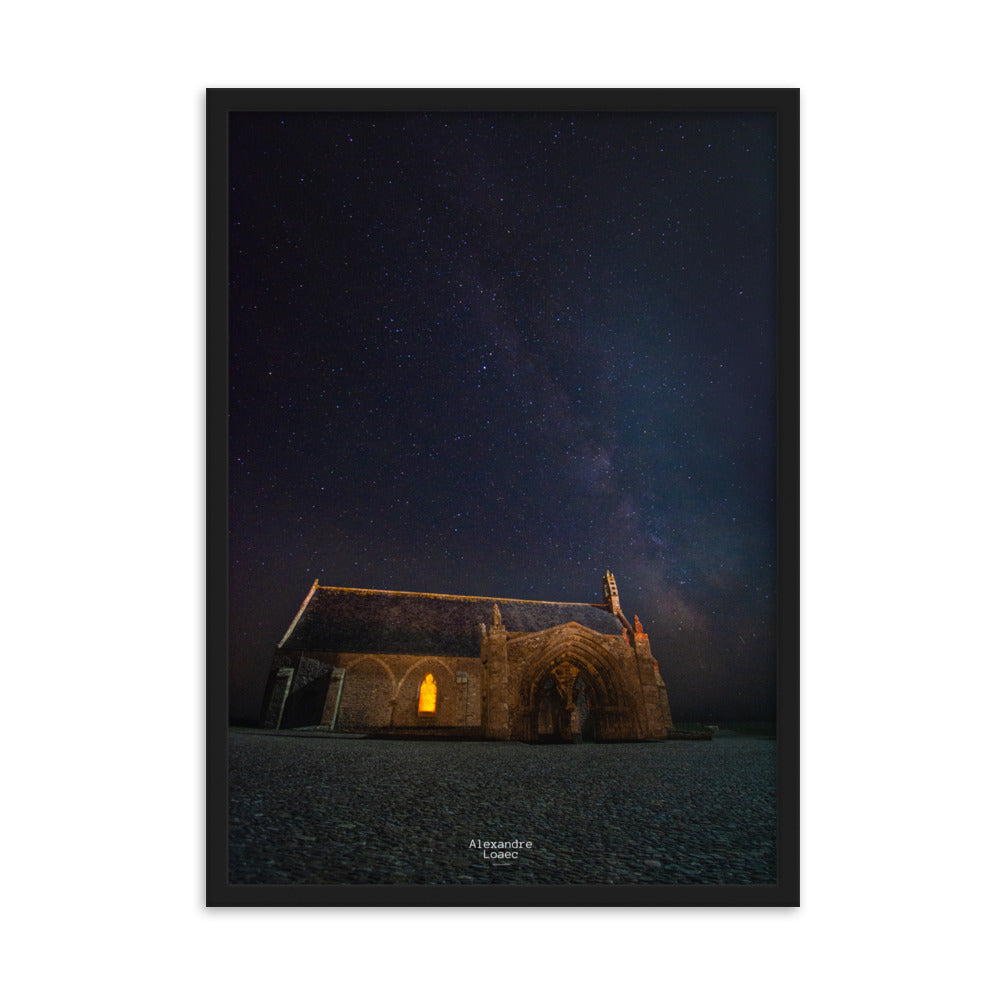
[[457, 597], [302, 608]]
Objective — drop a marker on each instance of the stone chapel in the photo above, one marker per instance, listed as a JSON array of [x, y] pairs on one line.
[[403, 664]]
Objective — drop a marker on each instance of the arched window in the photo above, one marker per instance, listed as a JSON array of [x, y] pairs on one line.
[[428, 695]]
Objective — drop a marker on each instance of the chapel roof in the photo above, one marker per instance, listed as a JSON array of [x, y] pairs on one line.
[[339, 619]]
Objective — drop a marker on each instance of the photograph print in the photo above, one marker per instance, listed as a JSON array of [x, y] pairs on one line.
[[502, 470]]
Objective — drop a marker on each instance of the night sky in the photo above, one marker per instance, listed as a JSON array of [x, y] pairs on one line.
[[498, 354]]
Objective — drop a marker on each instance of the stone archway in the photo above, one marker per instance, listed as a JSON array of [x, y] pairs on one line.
[[366, 702], [562, 709], [574, 688]]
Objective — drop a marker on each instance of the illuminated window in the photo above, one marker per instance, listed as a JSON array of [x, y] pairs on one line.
[[428, 695]]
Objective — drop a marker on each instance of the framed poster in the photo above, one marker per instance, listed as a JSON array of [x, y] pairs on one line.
[[503, 497]]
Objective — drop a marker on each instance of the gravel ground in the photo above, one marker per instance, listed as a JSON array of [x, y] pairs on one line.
[[336, 811]]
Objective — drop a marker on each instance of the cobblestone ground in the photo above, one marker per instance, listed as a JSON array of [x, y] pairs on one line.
[[341, 811]]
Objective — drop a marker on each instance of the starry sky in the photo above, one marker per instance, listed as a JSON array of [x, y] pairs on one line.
[[499, 353]]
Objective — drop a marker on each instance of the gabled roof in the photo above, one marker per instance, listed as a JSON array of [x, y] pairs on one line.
[[338, 619]]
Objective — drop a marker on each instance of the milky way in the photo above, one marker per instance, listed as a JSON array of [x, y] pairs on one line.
[[497, 354]]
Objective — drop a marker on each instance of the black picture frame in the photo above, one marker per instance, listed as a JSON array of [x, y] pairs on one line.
[[784, 104]]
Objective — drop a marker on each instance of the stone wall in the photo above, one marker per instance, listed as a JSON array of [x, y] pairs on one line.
[[375, 692], [276, 693]]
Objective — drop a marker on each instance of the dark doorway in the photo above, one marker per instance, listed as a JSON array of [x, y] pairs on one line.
[[563, 714]]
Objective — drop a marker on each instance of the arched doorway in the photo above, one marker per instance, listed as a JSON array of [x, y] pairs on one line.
[[563, 712], [574, 690], [564, 703]]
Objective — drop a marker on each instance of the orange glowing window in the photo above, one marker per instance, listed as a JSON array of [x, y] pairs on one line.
[[428, 695]]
